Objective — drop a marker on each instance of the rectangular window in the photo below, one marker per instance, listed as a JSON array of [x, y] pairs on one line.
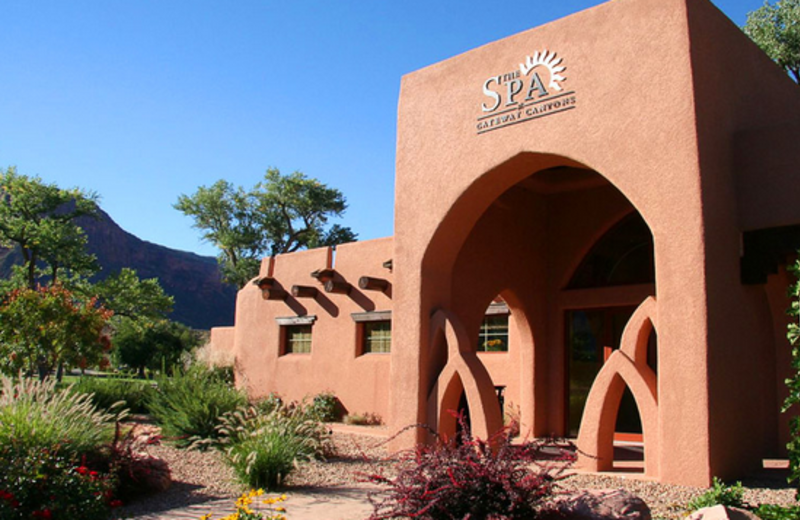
[[297, 339], [494, 334], [377, 337]]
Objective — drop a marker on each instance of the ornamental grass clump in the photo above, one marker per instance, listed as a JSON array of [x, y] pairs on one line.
[[188, 405], [263, 448], [47, 439], [33, 414], [469, 478]]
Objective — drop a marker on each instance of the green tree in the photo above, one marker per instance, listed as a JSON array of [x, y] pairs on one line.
[[39, 218], [281, 214], [130, 297], [147, 343], [776, 29], [46, 327], [793, 383]]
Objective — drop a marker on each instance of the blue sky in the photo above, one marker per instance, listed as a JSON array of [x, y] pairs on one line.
[[142, 100]]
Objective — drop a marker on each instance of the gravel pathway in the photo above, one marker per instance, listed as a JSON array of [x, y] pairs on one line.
[[201, 479]]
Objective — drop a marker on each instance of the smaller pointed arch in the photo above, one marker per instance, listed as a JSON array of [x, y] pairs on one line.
[[625, 367], [464, 364]]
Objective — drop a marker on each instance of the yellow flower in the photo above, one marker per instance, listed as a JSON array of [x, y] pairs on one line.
[[205, 517]]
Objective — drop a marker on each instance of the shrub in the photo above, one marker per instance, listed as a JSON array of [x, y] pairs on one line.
[[108, 392], [34, 415], [363, 419], [225, 373], [471, 478], [793, 383], [269, 403], [263, 448], [325, 407], [136, 472], [41, 483], [189, 404], [775, 512], [720, 494]]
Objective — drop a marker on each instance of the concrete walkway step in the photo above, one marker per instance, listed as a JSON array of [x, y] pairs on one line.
[[327, 504]]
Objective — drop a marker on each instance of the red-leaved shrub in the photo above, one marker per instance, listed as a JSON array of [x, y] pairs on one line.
[[472, 479], [137, 472]]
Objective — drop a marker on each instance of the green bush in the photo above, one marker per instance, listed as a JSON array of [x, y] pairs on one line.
[[189, 404], [793, 383], [325, 407], [263, 448], [107, 392], [363, 419], [34, 415], [720, 494], [775, 512]]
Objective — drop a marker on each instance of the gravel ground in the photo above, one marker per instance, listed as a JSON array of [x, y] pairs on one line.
[[199, 477], [668, 501]]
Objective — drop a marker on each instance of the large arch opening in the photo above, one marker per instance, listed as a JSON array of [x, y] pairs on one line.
[[532, 228]]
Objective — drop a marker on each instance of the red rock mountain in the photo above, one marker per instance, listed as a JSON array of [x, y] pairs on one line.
[[202, 301]]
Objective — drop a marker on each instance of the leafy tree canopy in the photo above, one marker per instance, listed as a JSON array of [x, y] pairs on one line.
[[281, 214], [128, 296], [40, 218], [152, 344], [48, 326], [52, 306], [776, 29]]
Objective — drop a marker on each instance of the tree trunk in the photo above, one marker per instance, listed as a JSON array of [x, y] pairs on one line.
[[42, 367], [60, 371], [32, 272]]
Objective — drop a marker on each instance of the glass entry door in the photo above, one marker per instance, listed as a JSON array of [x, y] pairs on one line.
[[591, 336]]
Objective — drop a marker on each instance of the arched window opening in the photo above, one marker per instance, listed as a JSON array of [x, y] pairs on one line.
[[493, 334], [623, 256]]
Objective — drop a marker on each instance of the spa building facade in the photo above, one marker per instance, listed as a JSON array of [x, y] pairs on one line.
[[592, 223]]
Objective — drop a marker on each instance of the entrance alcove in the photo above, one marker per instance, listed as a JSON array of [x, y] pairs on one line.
[[527, 231]]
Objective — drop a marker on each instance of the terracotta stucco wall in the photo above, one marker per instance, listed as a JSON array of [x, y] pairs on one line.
[[221, 343], [359, 381], [738, 90]]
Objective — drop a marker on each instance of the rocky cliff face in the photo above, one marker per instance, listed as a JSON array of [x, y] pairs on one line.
[[202, 301]]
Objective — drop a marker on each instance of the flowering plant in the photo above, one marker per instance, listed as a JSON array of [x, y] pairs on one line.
[[471, 478], [41, 483], [245, 512]]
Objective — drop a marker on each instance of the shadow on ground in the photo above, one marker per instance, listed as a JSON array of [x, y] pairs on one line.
[[179, 495]]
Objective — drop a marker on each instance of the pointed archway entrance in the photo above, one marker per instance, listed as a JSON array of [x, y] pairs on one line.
[[542, 243]]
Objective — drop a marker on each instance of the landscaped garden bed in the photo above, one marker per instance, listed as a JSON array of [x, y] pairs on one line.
[[199, 419], [201, 476]]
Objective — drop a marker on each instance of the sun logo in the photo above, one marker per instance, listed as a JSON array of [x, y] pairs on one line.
[[549, 60]]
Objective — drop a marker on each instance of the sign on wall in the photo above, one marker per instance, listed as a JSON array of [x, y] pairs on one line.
[[533, 91]]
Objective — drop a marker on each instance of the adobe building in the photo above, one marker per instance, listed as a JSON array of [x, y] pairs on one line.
[[593, 219]]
